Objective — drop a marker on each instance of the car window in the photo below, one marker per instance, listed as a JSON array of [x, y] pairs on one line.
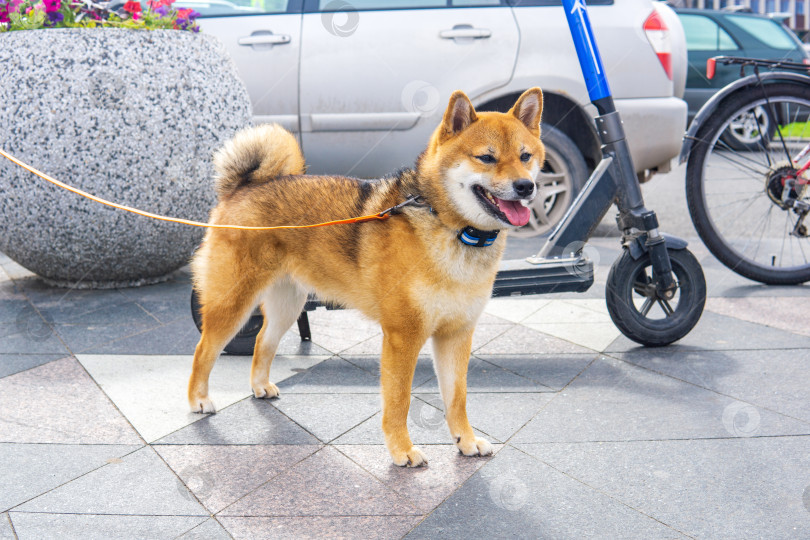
[[219, 8], [703, 34], [767, 31]]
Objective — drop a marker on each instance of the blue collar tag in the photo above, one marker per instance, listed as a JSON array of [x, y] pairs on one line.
[[477, 238]]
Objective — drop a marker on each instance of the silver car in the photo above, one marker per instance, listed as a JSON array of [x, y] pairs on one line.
[[364, 83]]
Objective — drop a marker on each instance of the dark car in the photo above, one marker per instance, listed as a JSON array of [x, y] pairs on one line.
[[712, 33]]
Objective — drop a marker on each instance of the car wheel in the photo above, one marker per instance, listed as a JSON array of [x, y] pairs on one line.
[[749, 131], [558, 183]]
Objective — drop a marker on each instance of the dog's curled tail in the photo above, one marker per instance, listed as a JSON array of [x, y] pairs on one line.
[[254, 156]]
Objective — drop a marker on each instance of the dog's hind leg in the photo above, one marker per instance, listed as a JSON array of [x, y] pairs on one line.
[[281, 304], [224, 310], [451, 356]]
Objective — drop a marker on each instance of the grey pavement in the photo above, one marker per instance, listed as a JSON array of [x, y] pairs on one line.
[[595, 437]]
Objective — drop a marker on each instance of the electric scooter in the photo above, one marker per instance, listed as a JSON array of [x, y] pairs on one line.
[[655, 291]]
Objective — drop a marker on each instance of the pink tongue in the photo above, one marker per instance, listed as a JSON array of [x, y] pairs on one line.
[[516, 213]]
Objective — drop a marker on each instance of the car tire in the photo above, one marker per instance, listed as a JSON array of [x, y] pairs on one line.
[[558, 184]]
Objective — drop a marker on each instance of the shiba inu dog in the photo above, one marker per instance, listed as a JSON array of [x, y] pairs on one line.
[[426, 272]]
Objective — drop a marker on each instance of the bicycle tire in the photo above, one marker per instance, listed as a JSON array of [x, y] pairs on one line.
[[735, 169]]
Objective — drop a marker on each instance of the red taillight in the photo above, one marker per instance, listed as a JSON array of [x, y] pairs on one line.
[[658, 35], [711, 68]]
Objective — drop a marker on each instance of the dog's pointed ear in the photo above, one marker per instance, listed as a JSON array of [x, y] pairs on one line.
[[528, 109], [458, 116]]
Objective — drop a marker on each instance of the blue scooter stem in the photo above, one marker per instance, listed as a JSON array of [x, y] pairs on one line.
[[587, 51]]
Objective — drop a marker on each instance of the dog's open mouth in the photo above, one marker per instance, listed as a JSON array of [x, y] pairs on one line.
[[509, 211]]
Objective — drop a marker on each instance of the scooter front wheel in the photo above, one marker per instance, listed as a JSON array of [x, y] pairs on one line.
[[645, 315]]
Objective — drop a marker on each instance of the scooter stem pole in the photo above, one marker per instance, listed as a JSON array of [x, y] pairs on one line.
[[588, 53]]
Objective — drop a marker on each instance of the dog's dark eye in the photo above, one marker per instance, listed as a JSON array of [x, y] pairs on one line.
[[525, 157], [486, 158]]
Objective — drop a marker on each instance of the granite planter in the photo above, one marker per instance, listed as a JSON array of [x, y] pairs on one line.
[[131, 116]]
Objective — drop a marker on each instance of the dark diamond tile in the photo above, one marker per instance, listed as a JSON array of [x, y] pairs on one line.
[[719, 333], [551, 370], [501, 415], [524, 340], [166, 301], [483, 376], [28, 470], [328, 415], [15, 363], [251, 421], [783, 313], [138, 484], [330, 376], [36, 526], [717, 488], [209, 529], [615, 401], [99, 327], [517, 496], [371, 363], [325, 484], [177, 337], [31, 336], [73, 306], [775, 380], [424, 487], [12, 308], [219, 475], [59, 403], [295, 528]]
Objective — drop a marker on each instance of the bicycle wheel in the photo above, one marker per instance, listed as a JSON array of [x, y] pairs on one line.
[[743, 202]]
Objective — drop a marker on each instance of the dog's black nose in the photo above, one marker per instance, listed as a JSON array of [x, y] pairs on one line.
[[523, 187]]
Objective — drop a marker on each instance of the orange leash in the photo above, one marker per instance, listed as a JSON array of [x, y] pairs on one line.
[[385, 214]]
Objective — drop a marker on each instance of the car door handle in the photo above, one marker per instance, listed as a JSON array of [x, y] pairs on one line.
[[465, 31], [264, 39]]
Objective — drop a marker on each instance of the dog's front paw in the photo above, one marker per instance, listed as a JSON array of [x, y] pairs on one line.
[[266, 390], [412, 458], [474, 446], [202, 405]]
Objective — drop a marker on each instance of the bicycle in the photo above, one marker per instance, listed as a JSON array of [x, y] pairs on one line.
[[748, 167]]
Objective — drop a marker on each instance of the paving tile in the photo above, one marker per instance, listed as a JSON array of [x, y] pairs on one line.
[[32, 335], [551, 370], [328, 416], [719, 333], [12, 304], [59, 403], [426, 425], [138, 484], [516, 496], [251, 421], [6, 531], [94, 329], [615, 401], [483, 376], [177, 337], [568, 311], [332, 375], [14, 363], [730, 488], [596, 335], [784, 313], [424, 487], [523, 340], [775, 380], [515, 309], [325, 484], [501, 415], [219, 475], [338, 330], [371, 363], [151, 390], [338, 527], [373, 346], [209, 529], [166, 301], [28, 470], [16, 272], [36, 526], [77, 306]]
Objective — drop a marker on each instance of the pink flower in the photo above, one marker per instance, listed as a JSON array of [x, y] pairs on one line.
[[132, 7], [52, 5]]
